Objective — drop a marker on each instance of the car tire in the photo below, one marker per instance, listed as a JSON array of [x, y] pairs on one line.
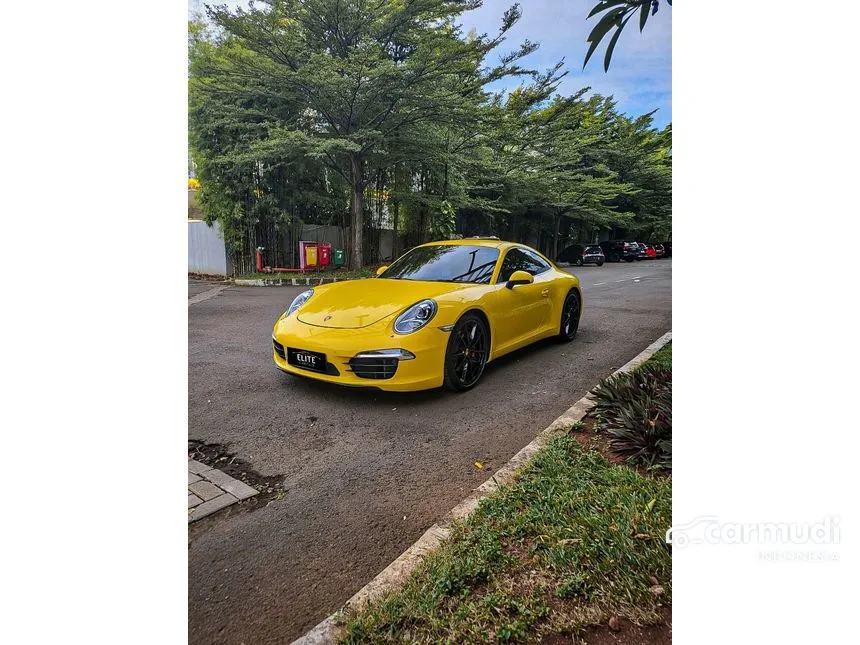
[[579, 262], [568, 326], [470, 334], [600, 264]]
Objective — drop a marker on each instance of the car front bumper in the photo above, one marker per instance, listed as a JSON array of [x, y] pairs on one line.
[[341, 346]]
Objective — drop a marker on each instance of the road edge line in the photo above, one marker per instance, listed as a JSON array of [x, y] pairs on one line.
[[206, 295], [395, 574]]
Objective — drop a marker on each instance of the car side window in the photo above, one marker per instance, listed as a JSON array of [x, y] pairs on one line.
[[521, 260], [541, 263]]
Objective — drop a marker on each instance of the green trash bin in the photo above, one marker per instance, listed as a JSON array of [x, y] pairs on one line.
[[338, 258]]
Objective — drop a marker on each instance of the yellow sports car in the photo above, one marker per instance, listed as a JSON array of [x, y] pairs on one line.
[[435, 317]]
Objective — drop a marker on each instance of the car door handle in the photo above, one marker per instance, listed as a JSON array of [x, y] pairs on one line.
[[545, 293]]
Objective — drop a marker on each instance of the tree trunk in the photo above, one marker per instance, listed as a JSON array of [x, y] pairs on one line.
[[357, 215], [396, 211], [555, 237]]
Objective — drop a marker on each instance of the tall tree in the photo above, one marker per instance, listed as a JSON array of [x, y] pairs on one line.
[[361, 72], [573, 178], [256, 201], [641, 155]]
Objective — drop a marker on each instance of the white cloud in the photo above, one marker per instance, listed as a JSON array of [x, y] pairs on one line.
[[640, 77]]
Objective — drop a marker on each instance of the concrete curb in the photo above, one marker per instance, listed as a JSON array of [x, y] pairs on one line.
[[287, 282], [395, 574]]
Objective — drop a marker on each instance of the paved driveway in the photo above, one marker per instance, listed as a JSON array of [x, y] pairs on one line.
[[196, 287], [367, 473]]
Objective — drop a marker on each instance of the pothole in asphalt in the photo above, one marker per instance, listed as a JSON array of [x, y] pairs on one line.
[[218, 456]]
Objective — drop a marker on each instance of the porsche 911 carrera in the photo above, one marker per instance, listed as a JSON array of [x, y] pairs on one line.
[[434, 318]]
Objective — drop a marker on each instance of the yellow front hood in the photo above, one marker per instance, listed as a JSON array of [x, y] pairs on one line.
[[359, 303]]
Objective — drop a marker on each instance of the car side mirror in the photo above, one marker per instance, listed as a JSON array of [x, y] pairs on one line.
[[519, 277], [381, 270]]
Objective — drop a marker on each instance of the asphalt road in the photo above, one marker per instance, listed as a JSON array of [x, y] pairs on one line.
[[367, 473]]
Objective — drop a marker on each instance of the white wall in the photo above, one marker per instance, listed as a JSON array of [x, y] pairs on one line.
[[206, 250]]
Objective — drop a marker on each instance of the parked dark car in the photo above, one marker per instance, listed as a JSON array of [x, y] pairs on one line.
[[579, 254], [667, 249], [659, 250], [641, 251], [618, 250]]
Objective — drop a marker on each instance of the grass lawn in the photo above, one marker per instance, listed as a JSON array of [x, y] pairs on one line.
[[574, 542], [662, 359]]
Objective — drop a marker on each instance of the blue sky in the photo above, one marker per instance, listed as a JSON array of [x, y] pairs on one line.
[[640, 77]]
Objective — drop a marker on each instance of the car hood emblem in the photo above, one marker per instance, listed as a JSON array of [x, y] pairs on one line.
[[326, 318]]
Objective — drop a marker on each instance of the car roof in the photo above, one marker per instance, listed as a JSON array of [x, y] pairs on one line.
[[475, 241]]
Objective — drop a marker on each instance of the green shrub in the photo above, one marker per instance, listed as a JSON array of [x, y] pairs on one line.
[[636, 412]]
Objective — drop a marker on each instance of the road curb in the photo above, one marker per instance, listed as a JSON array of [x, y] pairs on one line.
[[287, 282], [395, 574]]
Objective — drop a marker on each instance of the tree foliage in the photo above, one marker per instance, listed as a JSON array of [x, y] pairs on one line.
[[618, 14], [377, 114]]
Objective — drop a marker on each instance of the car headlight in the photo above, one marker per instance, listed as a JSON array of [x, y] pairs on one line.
[[415, 317], [298, 301]]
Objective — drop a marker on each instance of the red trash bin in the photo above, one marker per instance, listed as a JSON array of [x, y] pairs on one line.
[[324, 253]]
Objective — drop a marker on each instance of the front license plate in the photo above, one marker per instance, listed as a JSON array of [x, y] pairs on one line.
[[305, 359]]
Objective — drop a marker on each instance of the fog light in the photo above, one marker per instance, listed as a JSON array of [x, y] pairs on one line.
[[398, 354]]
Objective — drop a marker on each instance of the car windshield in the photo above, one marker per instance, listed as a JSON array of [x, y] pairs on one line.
[[445, 263], [593, 249]]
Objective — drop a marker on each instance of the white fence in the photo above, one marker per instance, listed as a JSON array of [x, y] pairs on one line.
[[207, 252]]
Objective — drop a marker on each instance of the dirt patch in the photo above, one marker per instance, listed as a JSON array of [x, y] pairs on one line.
[[217, 456], [527, 582], [622, 632], [591, 437]]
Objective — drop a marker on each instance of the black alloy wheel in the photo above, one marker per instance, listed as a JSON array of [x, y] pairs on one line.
[[570, 312], [466, 356]]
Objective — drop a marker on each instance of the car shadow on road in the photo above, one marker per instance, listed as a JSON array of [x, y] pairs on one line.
[[535, 348], [356, 394], [369, 394]]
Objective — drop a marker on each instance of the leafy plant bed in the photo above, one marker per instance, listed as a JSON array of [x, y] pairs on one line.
[[207, 277], [576, 542], [588, 434], [632, 422], [217, 456]]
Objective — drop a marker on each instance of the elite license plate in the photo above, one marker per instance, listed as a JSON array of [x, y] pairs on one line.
[[306, 359]]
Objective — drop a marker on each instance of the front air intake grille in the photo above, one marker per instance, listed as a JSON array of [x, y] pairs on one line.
[[279, 349], [376, 368]]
